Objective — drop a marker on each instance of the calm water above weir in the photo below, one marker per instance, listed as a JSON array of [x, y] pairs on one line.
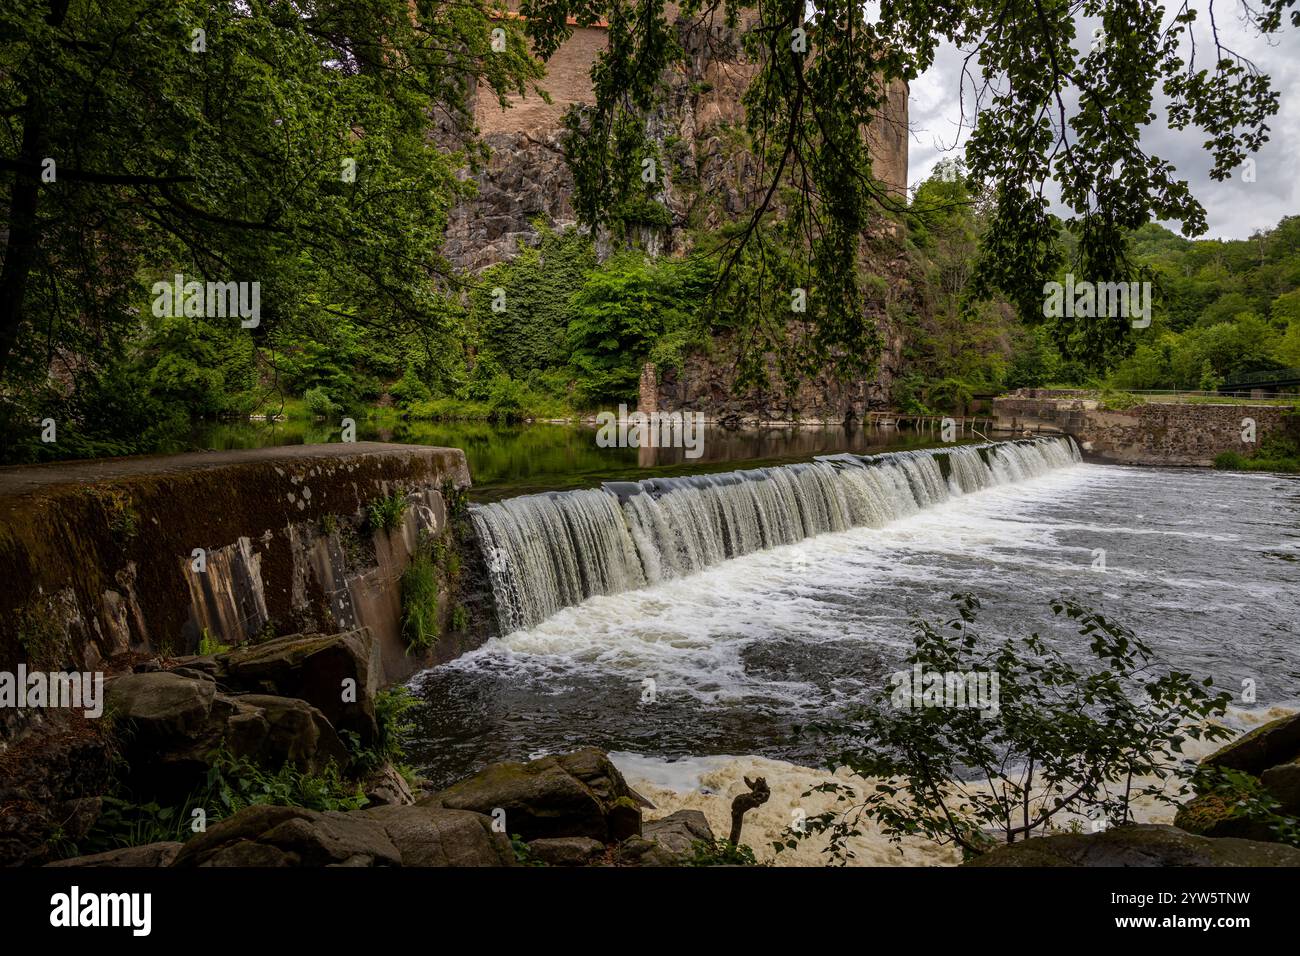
[[507, 460], [1203, 565]]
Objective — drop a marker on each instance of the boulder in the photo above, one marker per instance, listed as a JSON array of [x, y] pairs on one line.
[[1274, 743], [1139, 845], [666, 842], [556, 796], [174, 723], [168, 724], [383, 836], [623, 818], [162, 708], [594, 768], [193, 673], [151, 854], [429, 836], [386, 787], [314, 668], [568, 851], [1215, 815], [272, 731], [638, 851], [677, 831], [291, 836], [1283, 783]]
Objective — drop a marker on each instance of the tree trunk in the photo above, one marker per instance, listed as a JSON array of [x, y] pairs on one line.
[[20, 249], [757, 796], [24, 229]]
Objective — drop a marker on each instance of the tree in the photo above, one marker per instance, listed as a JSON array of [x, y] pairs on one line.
[[621, 308], [315, 149], [1053, 107], [1049, 738], [267, 141]]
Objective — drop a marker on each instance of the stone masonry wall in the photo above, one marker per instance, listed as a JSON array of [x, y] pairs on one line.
[[1148, 434]]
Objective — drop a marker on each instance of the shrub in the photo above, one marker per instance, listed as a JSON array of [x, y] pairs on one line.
[[235, 783], [720, 853], [232, 784], [1119, 401], [385, 514], [1058, 739], [209, 645], [1246, 799], [410, 388], [391, 709], [318, 402], [1274, 454], [420, 603]]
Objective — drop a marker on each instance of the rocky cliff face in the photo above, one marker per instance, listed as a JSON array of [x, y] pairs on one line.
[[709, 180], [527, 179]]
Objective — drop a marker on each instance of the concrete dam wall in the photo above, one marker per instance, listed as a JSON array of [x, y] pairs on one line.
[[141, 557]]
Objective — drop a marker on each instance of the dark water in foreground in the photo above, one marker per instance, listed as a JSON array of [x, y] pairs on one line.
[[1204, 565], [507, 460]]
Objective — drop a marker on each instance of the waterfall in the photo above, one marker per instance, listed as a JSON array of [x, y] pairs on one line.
[[550, 551]]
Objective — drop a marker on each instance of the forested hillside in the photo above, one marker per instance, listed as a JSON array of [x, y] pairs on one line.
[[288, 148], [574, 333]]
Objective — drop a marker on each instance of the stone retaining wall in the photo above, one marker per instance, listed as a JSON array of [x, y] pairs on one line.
[[99, 557], [1148, 434]]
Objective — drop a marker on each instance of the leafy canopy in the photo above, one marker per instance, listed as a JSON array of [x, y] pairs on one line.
[[1056, 104]]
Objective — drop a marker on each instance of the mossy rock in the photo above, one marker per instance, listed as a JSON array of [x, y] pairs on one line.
[[1283, 783], [1139, 845], [1215, 815], [579, 794], [1274, 743]]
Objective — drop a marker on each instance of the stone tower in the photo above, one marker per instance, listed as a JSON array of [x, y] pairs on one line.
[[527, 178]]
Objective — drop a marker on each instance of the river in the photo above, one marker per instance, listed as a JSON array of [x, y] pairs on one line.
[[1204, 565], [506, 460]]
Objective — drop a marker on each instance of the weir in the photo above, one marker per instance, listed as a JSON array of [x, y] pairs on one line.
[[550, 551]]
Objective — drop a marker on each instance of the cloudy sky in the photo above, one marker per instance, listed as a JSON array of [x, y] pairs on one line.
[[1234, 208]]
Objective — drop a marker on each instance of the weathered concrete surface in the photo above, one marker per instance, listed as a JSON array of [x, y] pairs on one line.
[[1148, 434], [98, 556]]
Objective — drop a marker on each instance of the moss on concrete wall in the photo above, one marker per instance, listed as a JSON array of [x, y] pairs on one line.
[[99, 557]]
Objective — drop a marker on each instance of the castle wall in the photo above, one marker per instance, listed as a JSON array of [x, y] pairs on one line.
[[567, 80], [723, 79]]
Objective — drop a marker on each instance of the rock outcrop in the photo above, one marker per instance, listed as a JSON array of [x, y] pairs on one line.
[[150, 854], [1139, 845], [1270, 754], [667, 842], [580, 794], [172, 724], [339, 674], [384, 836]]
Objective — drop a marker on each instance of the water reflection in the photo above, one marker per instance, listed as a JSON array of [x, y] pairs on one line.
[[517, 459]]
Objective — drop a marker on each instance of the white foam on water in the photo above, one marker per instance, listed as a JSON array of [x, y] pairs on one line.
[[690, 633], [548, 552], [709, 784]]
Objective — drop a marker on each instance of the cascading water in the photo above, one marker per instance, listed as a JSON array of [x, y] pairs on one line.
[[546, 552]]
